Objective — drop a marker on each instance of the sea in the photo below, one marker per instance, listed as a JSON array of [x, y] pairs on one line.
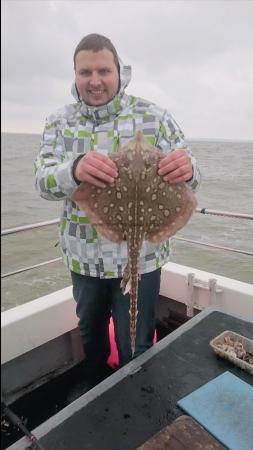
[[227, 186]]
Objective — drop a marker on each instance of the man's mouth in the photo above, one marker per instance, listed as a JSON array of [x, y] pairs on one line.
[[98, 92]]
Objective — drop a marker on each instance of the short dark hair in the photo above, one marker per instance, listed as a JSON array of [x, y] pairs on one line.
[[96, 42]]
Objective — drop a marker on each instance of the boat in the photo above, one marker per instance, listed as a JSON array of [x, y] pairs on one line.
[[42, 355]]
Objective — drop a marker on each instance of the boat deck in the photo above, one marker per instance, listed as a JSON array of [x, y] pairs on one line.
[[132, 405]]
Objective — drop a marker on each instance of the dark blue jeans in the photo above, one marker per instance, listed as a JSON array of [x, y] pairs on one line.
[[97, 299]]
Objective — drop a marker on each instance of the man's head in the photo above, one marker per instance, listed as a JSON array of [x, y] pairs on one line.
[[96, 67]]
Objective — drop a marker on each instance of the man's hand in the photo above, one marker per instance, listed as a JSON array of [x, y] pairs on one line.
[[96, 169], [176, 167]]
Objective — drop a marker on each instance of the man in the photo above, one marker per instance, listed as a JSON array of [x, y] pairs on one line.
[[75, 148]]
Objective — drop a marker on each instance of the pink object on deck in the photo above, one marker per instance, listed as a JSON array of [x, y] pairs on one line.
[[113, 359]]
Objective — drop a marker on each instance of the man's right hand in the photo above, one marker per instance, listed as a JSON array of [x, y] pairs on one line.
[[97, 169]]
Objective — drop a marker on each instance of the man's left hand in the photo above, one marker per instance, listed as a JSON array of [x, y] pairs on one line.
[[176, 167]]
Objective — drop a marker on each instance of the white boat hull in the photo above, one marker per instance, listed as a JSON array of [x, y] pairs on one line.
[[35, 332]]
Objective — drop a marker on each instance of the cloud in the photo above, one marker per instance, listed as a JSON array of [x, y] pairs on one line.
[[192, 57]]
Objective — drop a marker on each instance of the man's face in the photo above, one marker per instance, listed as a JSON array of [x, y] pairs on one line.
[[97, 77]]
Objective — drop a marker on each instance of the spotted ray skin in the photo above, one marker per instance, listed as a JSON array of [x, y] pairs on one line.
[[139, 205]]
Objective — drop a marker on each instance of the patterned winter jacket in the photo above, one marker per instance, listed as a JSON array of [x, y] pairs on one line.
[[78, 129]]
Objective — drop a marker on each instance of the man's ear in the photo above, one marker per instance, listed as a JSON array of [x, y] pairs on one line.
[[79, 98]]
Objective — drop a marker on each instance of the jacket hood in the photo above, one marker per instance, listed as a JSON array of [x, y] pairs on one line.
[[124, 76]]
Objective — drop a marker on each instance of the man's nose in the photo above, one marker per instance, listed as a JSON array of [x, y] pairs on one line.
[[95, 79]]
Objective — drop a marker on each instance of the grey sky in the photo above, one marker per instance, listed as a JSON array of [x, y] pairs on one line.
[[193, 57]]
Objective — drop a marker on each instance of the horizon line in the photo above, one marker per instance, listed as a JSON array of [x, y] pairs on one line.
[[187, 139]]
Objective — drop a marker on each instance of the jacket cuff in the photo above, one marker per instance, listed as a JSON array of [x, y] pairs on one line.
[[76, 161], [64, 180], [194, 182]]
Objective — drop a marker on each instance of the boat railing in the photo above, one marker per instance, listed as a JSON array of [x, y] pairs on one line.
[[204, 211]]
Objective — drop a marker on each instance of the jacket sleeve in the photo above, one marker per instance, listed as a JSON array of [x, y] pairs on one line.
[[53, 165], [170, 137]]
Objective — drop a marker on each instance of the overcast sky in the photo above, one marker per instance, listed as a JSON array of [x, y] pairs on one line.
[[194, 58]]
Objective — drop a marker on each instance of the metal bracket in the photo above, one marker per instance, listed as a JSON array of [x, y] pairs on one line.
[[193, 282], [189, 297]]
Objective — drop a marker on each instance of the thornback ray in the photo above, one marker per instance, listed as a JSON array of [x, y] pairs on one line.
[[138, 205]]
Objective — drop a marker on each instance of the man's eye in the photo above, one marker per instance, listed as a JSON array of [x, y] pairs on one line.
[[85, 73], [104, 71]]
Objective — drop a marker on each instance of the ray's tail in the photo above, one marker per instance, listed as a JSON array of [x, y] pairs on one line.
[[135, 240], [133, 311]]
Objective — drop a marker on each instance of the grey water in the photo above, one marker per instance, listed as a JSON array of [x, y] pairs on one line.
[[227, 185]]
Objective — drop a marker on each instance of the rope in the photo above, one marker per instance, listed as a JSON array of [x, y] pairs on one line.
[[243, 252], [16, 421], [229, 214], [24, 269], [205, 211]]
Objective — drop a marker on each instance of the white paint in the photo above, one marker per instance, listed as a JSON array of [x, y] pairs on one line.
[[30, 325], [235, 297]]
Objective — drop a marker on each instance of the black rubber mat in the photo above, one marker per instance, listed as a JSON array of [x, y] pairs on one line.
[[140, 405]]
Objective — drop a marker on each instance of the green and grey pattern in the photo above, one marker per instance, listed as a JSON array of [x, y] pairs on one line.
[[78, 129]]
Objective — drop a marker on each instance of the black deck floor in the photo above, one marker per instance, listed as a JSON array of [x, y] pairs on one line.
[[137, 407]]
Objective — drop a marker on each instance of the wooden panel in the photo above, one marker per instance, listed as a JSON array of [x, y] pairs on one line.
[[183, 434]]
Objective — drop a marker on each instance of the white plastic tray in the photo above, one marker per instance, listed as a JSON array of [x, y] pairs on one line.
[[247, 345]]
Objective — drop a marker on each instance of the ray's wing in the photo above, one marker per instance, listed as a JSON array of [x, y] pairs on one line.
[[94, 202], [166, 207], [175, 204], [109, 209]]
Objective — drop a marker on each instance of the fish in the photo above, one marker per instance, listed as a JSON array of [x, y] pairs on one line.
[[138, 206]]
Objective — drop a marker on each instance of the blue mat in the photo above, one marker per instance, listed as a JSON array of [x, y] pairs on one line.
[[224, 407]]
